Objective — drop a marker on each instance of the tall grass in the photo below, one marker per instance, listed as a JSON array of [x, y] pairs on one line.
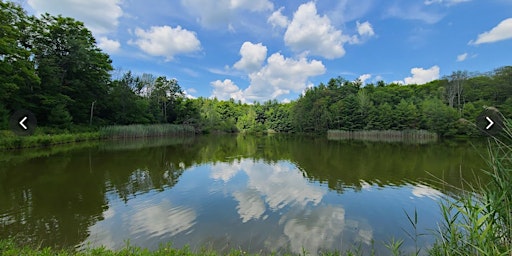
[[416, 136], [138, 130], [479, 221]]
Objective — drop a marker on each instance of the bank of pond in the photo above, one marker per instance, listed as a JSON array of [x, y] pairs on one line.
[[47, 137]]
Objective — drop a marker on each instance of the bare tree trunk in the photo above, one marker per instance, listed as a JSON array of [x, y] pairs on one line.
[[92, 113]]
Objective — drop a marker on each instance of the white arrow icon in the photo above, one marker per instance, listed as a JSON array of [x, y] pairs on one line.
[[491, 123], [22, 122]]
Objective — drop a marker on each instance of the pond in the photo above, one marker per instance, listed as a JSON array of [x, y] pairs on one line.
[[255, 193]]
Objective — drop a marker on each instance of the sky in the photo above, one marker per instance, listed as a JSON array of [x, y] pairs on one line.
[[256, 50]]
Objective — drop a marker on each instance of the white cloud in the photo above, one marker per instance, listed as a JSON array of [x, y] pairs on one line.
[[277, 19], [422, 76], [188, 93], [462, 57], [253, 56], [501, 32], [281, 76], [309, 32], [108, 45], [364, 77], [221, 12], [100, 16], [166, 41], [252, 5], [224, 90], [365, 29]]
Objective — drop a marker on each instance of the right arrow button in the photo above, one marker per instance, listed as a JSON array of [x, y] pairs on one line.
[[491, 123]]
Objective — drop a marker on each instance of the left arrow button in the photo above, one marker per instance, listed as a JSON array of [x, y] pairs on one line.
[[23, 122]]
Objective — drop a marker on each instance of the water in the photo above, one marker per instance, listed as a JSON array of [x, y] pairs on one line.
[[259, 194]]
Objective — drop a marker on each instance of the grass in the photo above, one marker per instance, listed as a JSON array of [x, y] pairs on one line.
[[479, 221], [137, 130], [44, 140], [417, 136]]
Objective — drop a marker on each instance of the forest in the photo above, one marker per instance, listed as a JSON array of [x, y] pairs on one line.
[[52, 66]]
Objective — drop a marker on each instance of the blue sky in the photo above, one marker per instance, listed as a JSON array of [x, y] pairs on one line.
[[262, 49]]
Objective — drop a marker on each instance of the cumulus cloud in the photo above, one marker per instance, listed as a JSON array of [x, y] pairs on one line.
[[462, 57], [312, 33], [365, 29], [364, 77], [166, 41], [214, 13], [422, 76], [501, 32], [277, 19], [108, 45], [253, 56], [281, 76], [100, 16], [224, 90]]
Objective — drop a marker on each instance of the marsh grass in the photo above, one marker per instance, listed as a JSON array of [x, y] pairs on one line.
[[479, 220], [138, 131], [413, 136]]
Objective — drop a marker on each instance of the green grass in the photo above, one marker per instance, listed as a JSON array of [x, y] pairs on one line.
[[137, 130], [8, 141], [479, 221]]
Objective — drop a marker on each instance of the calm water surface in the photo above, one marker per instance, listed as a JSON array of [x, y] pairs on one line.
[[258, 194]]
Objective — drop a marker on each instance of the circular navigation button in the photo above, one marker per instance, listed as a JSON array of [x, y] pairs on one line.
[[490, 121], [23, 122]]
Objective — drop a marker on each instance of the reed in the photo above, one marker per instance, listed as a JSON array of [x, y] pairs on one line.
[[137, 130], [479, 220], [417, 136]]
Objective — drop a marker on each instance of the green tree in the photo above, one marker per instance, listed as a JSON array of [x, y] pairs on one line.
[[74, 72], [18, 78], [439, 117]]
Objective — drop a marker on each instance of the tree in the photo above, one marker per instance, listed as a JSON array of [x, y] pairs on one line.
[[74, 72], [18, 78], [455, 89], [164, 94]]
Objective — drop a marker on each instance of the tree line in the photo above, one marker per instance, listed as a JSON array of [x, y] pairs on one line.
[[52, 66]]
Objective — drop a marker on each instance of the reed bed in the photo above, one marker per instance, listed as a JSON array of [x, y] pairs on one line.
[[139, 131], [479, 221], [416, 136]]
